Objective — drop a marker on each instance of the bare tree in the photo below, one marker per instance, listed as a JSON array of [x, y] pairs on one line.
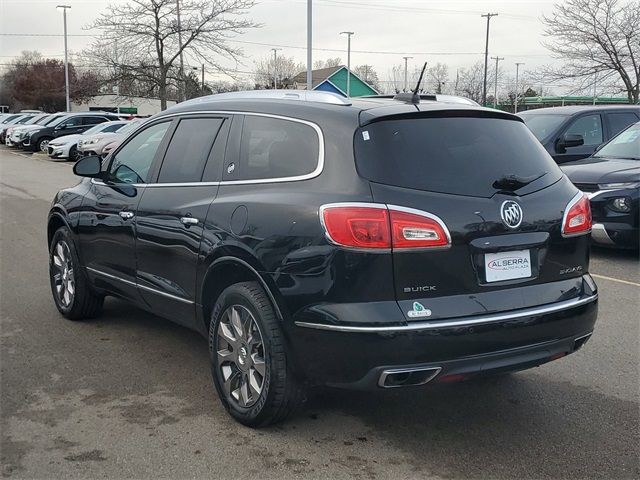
[[329, 62], [143, 39], [285, 69], [368, 75], [599, 41], [438, 76], [470, 80]]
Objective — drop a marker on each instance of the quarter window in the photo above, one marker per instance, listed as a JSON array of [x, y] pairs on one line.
[[189, 149], [590, 127], [274, 148], [133, 162]]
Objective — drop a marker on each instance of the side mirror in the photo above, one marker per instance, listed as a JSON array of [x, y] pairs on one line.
[[88, 167], [570, 140]]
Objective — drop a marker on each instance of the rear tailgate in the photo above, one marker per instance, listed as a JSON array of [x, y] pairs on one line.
[[447, 167]]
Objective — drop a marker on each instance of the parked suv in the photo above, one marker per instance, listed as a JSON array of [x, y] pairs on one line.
[[38, 140], [572, 133], [316, 240]]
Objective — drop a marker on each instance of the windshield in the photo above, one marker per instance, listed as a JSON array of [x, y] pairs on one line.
[[129, 126], [456, 155], [626, 145], [97, 129], [10, 118], [542, 125], [52, 120]]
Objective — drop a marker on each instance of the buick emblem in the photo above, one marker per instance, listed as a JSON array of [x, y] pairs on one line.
[[511, 214]]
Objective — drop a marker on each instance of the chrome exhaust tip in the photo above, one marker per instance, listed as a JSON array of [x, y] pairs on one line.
[[407, 377]]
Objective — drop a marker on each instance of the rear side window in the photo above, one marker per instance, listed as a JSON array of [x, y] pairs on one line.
[[273, 148], [93, 120], [590, 127], [189, 149], [620, 121], [455, 155]]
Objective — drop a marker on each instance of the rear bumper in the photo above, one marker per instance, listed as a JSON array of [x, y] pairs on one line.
[[615, 234], [464, 346]]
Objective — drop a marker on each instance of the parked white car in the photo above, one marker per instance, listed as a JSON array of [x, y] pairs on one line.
[[16, 135], [66, 147], [94, 144]]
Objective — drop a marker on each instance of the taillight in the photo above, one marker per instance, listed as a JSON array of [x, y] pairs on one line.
[[358, 225], [377, 226], [577, 216], [416, 229]]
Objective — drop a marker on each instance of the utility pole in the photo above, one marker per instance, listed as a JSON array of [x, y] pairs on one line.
[[495, 90], [309, 46], [66, 60], [406, 85], [181, 88], [202, 79], [595, 82], [275, 68], [515, 108], [486, 58], [348, 34]]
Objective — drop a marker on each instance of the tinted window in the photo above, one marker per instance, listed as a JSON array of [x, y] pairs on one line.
[[274, 148], [626, 145], [72, 122], [620, 121], [113, 128], [93, 120], [132, 163], [590, 127], [189, 149], [457, 155]]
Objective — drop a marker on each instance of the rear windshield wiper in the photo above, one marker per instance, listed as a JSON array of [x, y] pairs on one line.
[[515, 182]]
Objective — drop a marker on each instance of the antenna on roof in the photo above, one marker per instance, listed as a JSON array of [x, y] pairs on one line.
[[412, 97]]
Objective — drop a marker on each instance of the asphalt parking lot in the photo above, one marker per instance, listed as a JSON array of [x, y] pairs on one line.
[[129, 395]]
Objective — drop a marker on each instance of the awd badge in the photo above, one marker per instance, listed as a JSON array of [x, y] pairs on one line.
[[418, 311]]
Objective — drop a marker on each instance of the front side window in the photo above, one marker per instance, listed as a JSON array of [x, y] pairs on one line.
[[590, 127], [133, 162], [188, 150], [71, 122], [274, 148], [93, 120]]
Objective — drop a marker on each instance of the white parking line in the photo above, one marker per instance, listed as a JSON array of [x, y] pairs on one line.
[[613, 279], [41, 158]]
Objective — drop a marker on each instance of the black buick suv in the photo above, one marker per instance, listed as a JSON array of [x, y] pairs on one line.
[[317, 240]]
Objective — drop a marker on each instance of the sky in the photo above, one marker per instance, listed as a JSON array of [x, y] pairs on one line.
[[450, 32]]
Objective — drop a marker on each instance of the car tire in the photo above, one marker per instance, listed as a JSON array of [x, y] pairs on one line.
[[42, 143], [262, 390], [72, 293], [74, 155]]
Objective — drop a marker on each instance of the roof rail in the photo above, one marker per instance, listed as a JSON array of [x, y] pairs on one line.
[[302, 95]]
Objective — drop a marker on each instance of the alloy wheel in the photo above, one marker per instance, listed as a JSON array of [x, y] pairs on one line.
[[44, 145], [241, 357], [63, 275]]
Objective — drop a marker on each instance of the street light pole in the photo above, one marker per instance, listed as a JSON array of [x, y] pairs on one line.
[[181, 88], [275, 68], [66, 60], [495, 89], [405, 73], [202, 79], [309, 45], [348, 34], [515, 108], [486, 58]]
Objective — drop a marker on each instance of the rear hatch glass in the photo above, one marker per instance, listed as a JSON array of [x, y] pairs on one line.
[[454, 155]]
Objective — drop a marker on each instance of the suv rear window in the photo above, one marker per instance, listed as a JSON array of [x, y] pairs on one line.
[[455, 155]]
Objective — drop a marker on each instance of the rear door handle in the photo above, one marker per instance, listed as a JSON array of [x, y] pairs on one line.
[[188, 221], [126, 215]]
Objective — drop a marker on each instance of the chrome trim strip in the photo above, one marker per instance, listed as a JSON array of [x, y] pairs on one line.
[[134, 284], [385, 373], [318, 170], [599, 234], [455, 323]]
